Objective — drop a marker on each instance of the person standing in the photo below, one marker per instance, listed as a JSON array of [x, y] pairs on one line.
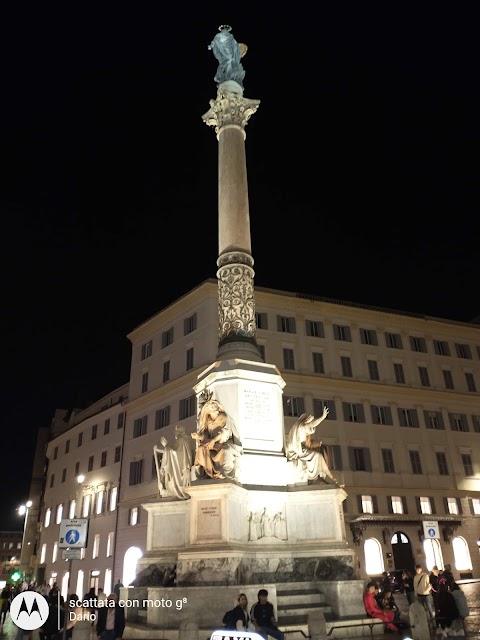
[[116, 589], [407, 584], [263, 617], [423, 588], [111, 620]]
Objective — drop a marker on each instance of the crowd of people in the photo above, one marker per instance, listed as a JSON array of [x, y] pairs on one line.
[[89, 617], [442, 598]]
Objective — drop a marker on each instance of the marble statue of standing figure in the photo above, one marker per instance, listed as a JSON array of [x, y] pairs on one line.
[[304, 452], [218, 443], [228, 52], [175, 468]]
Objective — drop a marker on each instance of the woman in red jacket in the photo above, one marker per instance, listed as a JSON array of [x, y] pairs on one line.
[[373, 609]]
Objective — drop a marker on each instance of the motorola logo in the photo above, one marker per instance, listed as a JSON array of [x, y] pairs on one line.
[[29, 610]]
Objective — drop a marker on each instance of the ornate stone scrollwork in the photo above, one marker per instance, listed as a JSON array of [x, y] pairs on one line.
[[236, 307], [357, 532], [229, 109]]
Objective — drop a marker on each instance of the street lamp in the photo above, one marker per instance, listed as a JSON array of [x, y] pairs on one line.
[[23, 511]]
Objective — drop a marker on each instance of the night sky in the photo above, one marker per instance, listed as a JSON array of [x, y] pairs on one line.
[[362, 163]]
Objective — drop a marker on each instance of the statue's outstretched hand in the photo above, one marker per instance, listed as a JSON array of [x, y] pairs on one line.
[[325, 413]]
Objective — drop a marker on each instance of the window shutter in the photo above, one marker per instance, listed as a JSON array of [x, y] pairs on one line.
[[351, 458], [445, 505], [337, 452], [388, 416], [415, 418], [348, 334], [432, 503], [279, 323], [361, 413], [401, 418], [332, 410], [301, 405], [359, 504], [132, 474], [285, 405], [472, 510], [459, 503], [129, 516], [417, 502], [335, 332], [404, 504], [373, 335], [389, 504], [368, 459], [375, 504], [139, 514]]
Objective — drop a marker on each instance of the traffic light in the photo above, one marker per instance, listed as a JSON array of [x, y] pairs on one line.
[[16, 576]]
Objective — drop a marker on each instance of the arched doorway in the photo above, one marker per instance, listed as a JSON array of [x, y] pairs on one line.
[[463, 561], [402, 551], [130, 559]]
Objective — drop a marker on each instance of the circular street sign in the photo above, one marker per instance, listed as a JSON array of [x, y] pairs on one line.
[[72, 536]]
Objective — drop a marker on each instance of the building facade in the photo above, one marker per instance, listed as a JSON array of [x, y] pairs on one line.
[[402, 434]]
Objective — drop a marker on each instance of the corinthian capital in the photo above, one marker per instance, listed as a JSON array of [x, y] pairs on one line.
[[229, 108]]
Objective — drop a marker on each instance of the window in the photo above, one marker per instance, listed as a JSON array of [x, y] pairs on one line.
[[147, 350], [67, 446], [318, 406], [103, 460], [288, 359], [94, 431], [293, 406], [190, 324], [381, 415], [398, 372], [77, 468], [367, 504], [451, 505], [55, 453], [133, 516], [136, 472], [90, 463], [140, 427], [458, 422], [418, 344], [100, 498], [424, 379], [434, 420], [441, 348], [342, 332], [189, 359], [476, 423], [167, 338], [113, 498], [166, 371], [426, 506], [334, 457], [359, 459], [448, 379], [43, 553], [86, 505], [314, 328], [106, 427], [52, 480], [110, 544], [261, 320], [475, 506], [442, 463], [162, 417], [388, 463], [286, 324], [463, 351], [467, 464], [55, 552], [96, 545], [368, 336], [373, 372], [415, 462], [64, 475], [118, 453], [318, 362], [408, 418], [144, 382], [58, 519], [121, 420], [346, 367], [48, 515], [393, 340], [471, 386], [353, 412], [71, 509], [186, 407], [397, 504]]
